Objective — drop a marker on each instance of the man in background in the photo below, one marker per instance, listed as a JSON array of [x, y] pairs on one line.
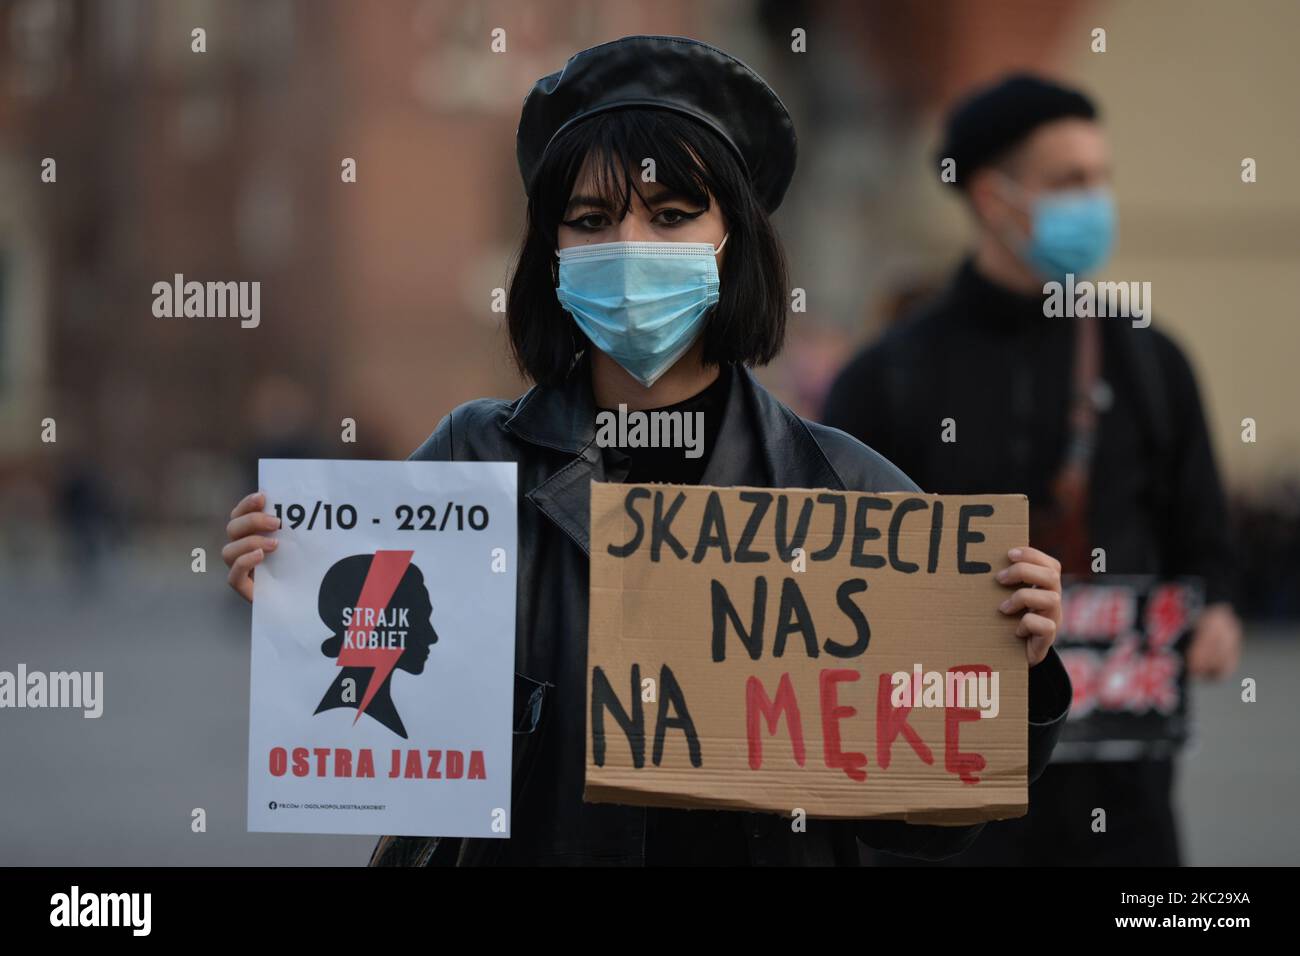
[[1104, 430]]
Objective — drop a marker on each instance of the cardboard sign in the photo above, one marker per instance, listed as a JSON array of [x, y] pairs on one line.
[[383, 650], [1123, 640], [783, 650]]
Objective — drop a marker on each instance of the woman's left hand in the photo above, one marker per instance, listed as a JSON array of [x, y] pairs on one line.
[[1039, 600]]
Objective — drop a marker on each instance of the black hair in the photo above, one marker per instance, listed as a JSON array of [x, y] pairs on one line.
[[748, 323]]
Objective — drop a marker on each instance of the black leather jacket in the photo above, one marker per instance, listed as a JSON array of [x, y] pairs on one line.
[[550, 432]]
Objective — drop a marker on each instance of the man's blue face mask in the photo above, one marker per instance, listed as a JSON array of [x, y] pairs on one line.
[[1072, 231], [641, 303]]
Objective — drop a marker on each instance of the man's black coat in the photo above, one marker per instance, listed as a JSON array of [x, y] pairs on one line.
[[1156, 505], [550, 432]]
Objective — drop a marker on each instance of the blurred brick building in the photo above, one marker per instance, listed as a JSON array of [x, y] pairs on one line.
[[376, 296], [226, 165]]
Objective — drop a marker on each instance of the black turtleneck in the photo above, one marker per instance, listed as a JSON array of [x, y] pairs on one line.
[[670, 465], [990, 360]]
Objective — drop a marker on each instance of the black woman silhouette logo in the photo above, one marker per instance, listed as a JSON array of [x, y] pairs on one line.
[[378, 610]]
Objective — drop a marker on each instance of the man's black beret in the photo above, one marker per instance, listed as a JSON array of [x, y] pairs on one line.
[[993, 119], [669, 73]]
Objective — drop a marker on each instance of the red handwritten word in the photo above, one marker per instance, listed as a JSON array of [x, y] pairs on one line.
[[891, 722]]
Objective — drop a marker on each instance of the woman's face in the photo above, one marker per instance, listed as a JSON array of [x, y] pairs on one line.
[[663, 216]]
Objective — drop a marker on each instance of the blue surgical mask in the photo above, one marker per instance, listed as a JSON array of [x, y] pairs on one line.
[[1073, 232], [641, 303]]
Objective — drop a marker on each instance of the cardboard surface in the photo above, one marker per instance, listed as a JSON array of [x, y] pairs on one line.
[[693, 703]]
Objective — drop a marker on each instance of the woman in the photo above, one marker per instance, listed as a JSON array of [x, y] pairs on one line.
[[650, 276]]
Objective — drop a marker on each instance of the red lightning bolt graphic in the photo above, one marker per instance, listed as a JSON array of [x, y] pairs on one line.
[[385, 572]]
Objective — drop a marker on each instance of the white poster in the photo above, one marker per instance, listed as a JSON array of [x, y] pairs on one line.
[[382, 679]]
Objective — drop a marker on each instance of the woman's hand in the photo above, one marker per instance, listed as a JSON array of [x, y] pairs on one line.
[[1040, 600], [249, 531]]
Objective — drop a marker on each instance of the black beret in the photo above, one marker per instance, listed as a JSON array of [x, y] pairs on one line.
[[669, 73], [993, 119]]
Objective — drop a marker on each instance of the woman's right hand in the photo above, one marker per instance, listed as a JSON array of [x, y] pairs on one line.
[[249, 532]]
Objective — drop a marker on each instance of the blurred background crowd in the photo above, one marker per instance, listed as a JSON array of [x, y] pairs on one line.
[[377, 306]]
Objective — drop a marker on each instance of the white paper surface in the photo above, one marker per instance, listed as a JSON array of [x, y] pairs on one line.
[[384, 556]]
